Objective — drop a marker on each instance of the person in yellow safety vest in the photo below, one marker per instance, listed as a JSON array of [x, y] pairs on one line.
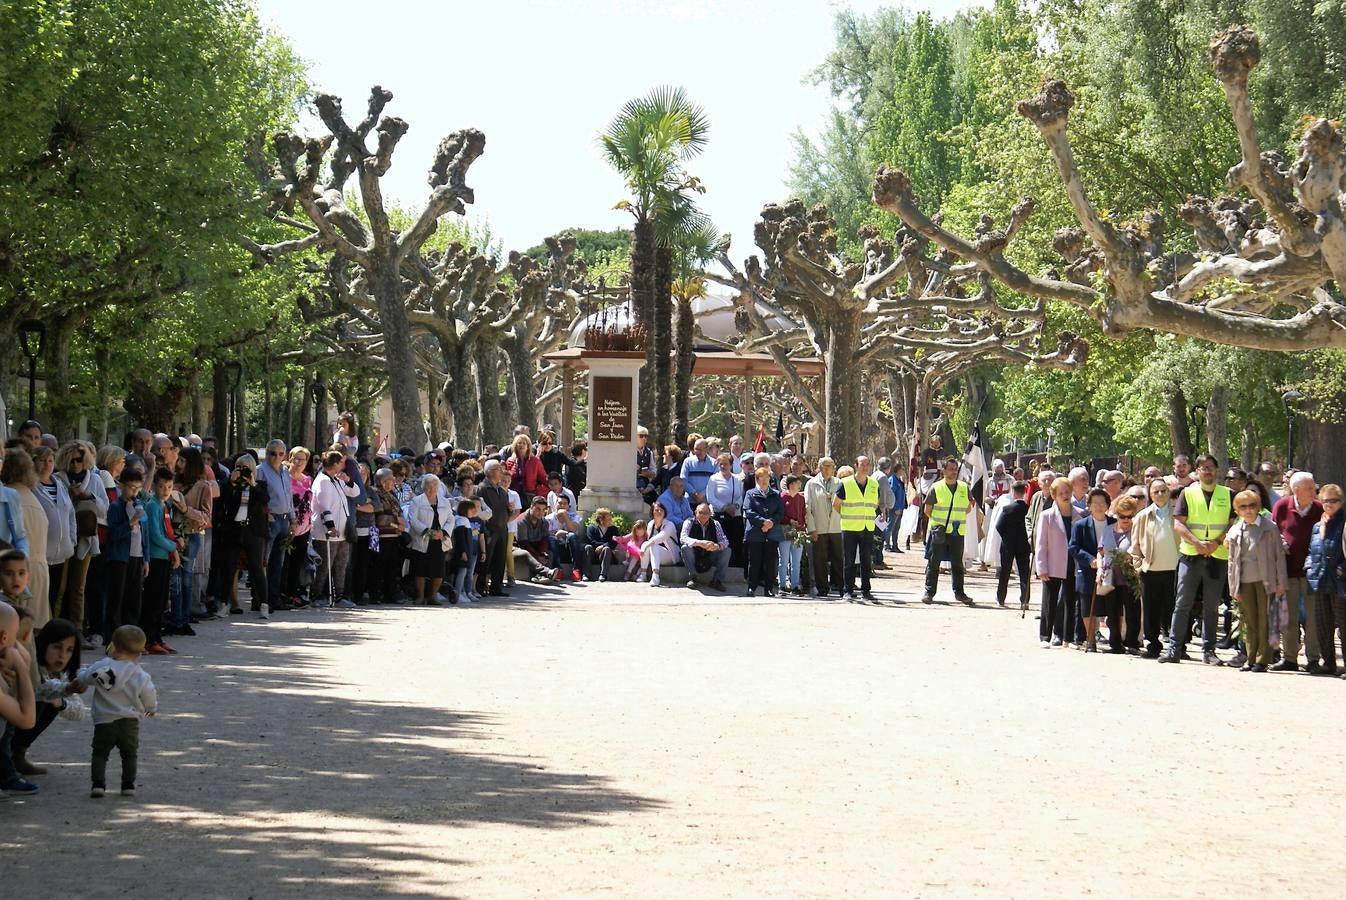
[[949, 502], [857, 499], [1201, 519]]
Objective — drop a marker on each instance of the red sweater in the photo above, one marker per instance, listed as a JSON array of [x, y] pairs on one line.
[[794, 509], [1296, 530]]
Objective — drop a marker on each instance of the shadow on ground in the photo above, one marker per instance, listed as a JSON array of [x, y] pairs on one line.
[[260, 773]]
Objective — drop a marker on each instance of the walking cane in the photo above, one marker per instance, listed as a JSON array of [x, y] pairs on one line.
[[327, 556]]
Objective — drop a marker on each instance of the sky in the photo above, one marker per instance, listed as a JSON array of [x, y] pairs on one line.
[[543, 78]]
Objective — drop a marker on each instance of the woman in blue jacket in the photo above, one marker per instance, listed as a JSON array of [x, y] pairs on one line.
[[1323, 571], [1089, 541], [762, 515]]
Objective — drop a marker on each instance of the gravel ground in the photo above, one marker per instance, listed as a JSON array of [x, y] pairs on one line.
[[631, 741]]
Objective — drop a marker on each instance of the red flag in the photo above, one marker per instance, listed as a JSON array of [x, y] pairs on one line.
[[760, 446]]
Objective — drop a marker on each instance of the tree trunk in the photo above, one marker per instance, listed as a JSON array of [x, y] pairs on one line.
[[219, 405], [304, 438], [268, 413], [240, 437], [842, 386], [460, 395], [494, 429], [642, 306], [385, 284], [683, 359], [1179, 432], [920, 430], [897, 401], [1248, 445], [1318, 444], [662, 431], [523, 371], [289, 413], [441, 421], [62, 409], [198, 404], [1217, 424]]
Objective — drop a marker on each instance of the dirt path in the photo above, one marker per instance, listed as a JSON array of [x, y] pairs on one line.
[[629, 741]]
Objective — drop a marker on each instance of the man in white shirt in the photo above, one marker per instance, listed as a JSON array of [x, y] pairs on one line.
[[331, 489], [558, 490]]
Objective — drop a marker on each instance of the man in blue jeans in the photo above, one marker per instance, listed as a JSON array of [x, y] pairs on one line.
[[280, 515], [703, 541]]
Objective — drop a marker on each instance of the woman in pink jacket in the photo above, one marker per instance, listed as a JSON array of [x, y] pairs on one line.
[[1052, 561]]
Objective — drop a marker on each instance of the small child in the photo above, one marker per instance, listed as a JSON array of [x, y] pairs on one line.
[[123, 555], [14, 579], [791, 552], [123, 692], [466, 550], [631, 543], [58, 645], [161, 551], [17, 705]]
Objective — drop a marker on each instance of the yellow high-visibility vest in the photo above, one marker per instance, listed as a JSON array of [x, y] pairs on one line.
[[950, 506], [858, 507], [1207, 522]]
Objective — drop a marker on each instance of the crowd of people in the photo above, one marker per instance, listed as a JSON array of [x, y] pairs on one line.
[[1249, 561], [117, 549]]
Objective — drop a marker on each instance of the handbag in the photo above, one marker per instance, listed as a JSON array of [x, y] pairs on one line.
[[86, 519], [939, 534]]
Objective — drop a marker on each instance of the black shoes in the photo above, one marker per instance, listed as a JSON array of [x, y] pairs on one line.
[[1286, 665], [716, 585], [968, 601], [927, 598]]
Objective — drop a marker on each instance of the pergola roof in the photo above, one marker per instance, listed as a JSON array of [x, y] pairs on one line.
[[707, 362]]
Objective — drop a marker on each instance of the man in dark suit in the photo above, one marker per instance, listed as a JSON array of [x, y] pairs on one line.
[[1012, 526]]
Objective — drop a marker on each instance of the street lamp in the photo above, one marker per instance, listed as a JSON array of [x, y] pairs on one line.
[[1051, 437], [319, 391], [1288, 399], [32, 337]]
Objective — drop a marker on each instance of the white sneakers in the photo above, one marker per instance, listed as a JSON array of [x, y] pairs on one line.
[[654, 578], [264, 613]]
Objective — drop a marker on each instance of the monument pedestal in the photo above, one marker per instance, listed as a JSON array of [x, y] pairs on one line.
[[614, 397]]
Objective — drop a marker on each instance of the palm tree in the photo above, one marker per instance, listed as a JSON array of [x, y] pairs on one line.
[[693, 246], [647, 143]]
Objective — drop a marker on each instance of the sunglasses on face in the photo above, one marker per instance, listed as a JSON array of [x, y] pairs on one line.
[[1327, 500], [1160, 492], [1125, 518], [1254, 505]]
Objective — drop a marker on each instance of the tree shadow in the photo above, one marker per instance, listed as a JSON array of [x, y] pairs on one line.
[[304, 792]]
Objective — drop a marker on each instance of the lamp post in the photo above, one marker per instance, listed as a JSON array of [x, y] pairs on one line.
[[319, 391], [1051, 436], [1288, 399], [32, 337]]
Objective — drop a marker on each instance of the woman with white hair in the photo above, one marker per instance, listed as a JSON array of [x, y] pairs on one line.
[[61, 530], [430, 517]]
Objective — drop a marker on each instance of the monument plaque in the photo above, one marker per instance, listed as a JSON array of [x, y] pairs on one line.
[[613, 411]]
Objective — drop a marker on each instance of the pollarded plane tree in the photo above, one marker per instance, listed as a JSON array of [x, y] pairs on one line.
[[1266, 270], [897, 307], [550, 319], [949, 318], [383, 256], [467, 304]]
